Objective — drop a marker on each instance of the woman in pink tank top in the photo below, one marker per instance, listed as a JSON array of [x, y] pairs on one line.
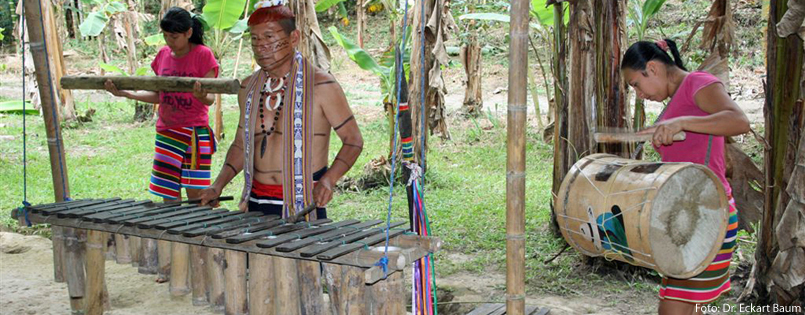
[[701, 107], [184, 141]]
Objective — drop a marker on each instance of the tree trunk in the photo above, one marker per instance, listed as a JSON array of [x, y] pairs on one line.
[[471, 59], [66, 109], [426, 77], [610, 95], [784, 115], [582, 84], [560, 134], [311, 45], [361, 17]]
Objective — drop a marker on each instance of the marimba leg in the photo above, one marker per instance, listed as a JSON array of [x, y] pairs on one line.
[[135, 250], [149, 261], [110, 247], [57, 235], [122, 254], [180, 269], [95, 272], [261, 285], [235, 273], [198, 275], [215, 278], [164, 259], [386, 297], [74, 240], [311, 294], [287, 284]]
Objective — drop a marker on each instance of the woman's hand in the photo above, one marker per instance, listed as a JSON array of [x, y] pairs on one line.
[[198, 92], [111, 88], [664, 131]]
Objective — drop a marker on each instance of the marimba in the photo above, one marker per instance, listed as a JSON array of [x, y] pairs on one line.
[[205, 251]]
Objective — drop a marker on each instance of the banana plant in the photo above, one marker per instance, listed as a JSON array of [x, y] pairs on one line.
[[640, 14], [384, 68], [141, 71], [95, 22], [223, 18]]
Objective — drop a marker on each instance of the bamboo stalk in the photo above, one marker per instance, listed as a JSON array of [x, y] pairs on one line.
[[95, 272], [287, 282], [152, 83], [122, 253], [164, 260], [261, 285], [385, 297], [74, 250], [54, 139], [215, 278], [515, 165], [311, 294], [180, 269], [135, 250], [236, 302], [149, 261], [198, 275]]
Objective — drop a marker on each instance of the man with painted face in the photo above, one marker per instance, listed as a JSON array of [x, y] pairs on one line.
[[288, 109]]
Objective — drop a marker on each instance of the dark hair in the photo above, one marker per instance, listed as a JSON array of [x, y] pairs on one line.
[[280, 14], [178, 20], [642, 52]]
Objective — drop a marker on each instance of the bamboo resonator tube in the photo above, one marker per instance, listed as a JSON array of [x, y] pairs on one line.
[[151, 83]]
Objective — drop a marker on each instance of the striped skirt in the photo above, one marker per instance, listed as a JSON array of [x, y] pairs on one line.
[[182, 158], [713, 281]]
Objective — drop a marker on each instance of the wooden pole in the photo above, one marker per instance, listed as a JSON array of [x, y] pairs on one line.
[[164, 260], [311, 294], [122, 253], [198, 275], [149, 261], [215, 278], [346, 289], [95, 272], [58, 167], [286, 277], [262, 289], [560, 147], [180, 269], [515, 164], [236, 302], [152, 83]]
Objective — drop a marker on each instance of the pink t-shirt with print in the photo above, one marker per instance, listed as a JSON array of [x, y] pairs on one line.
[[694, 148], [176, 109]]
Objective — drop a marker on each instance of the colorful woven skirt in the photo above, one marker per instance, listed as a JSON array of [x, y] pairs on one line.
[[182, 158], [713, 281]]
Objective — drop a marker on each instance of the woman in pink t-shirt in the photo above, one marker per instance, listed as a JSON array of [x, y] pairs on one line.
[[701, 107], [184, 141]]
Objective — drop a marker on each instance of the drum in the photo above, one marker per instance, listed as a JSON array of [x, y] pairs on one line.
[[670, 217]]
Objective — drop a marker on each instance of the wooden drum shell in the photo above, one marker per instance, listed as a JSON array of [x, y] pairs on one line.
[[673, 216]]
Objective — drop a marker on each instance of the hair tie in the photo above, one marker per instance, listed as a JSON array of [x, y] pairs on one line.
[[268, 3], [662, 44]]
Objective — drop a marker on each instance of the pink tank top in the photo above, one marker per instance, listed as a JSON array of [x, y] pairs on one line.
[[694, 148], [176, 109]]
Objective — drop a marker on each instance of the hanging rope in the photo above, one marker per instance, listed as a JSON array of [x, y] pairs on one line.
[[22, 210]]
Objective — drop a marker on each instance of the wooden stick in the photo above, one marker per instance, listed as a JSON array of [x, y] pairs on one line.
[[198, 275], [606, 137], [151, 83], [164, 260], [236, 302], [262, 289], [310, 290], [95, 272], [180, 269], [149, 261], [286, 277], [122, 254], [215, 278]]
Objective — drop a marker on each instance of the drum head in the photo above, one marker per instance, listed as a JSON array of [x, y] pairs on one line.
[[688, 222]]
